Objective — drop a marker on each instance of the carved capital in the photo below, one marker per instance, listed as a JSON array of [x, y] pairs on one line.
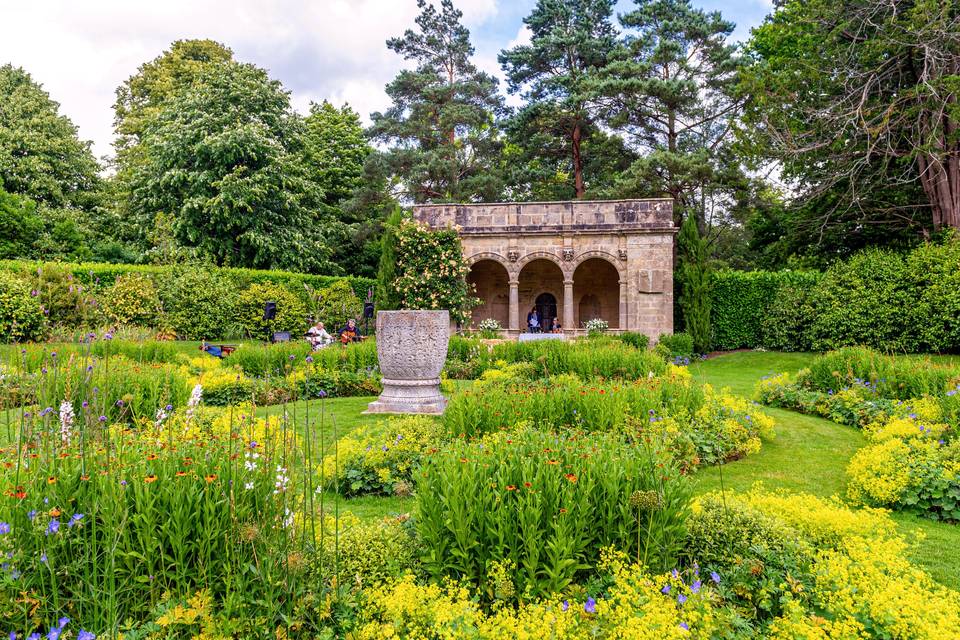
[[567, 254], [513, 255]]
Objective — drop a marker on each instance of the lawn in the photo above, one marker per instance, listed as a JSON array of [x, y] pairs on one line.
[[808, 454]]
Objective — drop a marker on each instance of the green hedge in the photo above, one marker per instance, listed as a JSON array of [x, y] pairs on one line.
[[193, 301], [740, 300], [892, 302]]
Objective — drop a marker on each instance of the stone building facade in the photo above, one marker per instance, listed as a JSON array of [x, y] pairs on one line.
[[574, 261]]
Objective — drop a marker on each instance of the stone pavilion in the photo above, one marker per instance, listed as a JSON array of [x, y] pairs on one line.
[[575, 260]]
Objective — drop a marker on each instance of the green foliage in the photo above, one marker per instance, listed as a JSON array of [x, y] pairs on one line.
[[547, 504], [19, 225], [634, 339], [368, 553], [431, 272], [21, 317], [740, 300], [64, 299], [133, 299], [334, 305], [694, 280], [291, 311], [40, 154], [269, 359], [382, 458], [444, 146], [387, 298], [675, 345], [198, 302], [224, 160], [570, 42]]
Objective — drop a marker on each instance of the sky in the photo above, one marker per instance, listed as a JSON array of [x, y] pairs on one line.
[[82, 50]]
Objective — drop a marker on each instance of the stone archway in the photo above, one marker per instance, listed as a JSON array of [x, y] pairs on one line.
[[538, 277], [596, 292], [490, 282]]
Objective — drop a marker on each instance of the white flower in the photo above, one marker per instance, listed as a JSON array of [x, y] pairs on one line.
[[248, 486], [288, 518], [195, 396], [66, 420], [283, 480]]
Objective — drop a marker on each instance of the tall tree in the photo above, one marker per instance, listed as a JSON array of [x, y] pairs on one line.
[[41, 156], [570, 41], [226, 162], [440, 129], [694, 280], [334, 152], [670, 90], [858, 102]]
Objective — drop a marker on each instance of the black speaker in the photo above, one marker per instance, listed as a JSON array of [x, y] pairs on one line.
[[367, 309], [270, 311]]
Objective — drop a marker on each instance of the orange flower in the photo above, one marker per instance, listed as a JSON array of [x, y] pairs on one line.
[[552, 461], [152, 456], [54, 513], [85, 477], [180, 474], [150, 478], [571, 477], [20, 495], [527, 485], [210, 478], [52, 480], [510, 487], [562, 510], [463, 459]]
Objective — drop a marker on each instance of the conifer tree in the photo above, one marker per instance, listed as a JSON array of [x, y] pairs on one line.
[[443, 145]]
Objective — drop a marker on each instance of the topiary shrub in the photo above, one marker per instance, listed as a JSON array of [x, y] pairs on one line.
[[133, 300], [21, 316], [291, 311], [198, 303]]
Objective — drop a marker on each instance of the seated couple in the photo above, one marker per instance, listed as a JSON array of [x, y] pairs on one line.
[[318, 337], [533, 324]]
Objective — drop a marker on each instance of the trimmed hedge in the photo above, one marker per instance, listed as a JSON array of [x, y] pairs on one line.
[[194, 302], [740, 300], [892, 302]]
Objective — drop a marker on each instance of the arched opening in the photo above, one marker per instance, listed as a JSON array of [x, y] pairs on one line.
[[491, 283], [596, 292], [546, 306], [540, 281]]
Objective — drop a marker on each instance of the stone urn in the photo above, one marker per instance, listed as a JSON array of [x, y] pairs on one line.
[[411, 348]]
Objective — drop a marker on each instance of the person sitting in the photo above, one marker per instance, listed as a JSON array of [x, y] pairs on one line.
[[318, 337], [533, 321], [211, 349], [350, 332], [555, 326]]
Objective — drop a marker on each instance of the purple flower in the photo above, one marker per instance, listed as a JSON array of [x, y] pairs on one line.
[[169, 407], [43, 557], [565, 606], [108, 336], [695, 587], [13, 635], [53, 634], [665, 590], [102, 418], [4, 528], [952, 393], [119, 403], [77, 517], [715, 576], [308, 359], [85, 635], [34, 636], [675, 574], [62, 622], [32, 514], [53, 526], [590, 606], [681, 599], [321, 394], [123, 483], [684, 626]]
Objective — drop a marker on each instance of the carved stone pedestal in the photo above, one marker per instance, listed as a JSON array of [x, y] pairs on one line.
[[411, 348]]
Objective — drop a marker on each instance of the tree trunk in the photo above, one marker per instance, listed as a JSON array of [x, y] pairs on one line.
[[577, 162]]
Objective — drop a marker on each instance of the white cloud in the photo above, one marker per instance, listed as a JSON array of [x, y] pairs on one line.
[[330, 49]]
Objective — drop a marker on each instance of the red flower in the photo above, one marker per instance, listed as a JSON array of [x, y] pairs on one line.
[[510, 487]]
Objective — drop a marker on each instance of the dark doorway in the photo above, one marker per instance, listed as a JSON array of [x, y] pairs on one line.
[[547, 310]]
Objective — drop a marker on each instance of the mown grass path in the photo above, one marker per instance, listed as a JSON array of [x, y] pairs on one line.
[[810, 454]]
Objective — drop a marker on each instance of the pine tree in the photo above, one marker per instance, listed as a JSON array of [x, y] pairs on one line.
[[694, 284], [571, 40], [670, 91], [440, 128]]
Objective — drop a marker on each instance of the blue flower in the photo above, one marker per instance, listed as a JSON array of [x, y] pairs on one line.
[[85, 635], [62, 622], [565, 605], [665, 590], [74, 520], [590, 606], [53, 526], [681, 599], [715, 576], [684, 626], [34, 636], [43, 558], [4, 528], [695, 587]]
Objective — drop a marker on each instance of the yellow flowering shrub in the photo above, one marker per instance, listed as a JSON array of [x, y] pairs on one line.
[[381, 457], [636, 606], [879, 474], [728, 427], [903, 427]]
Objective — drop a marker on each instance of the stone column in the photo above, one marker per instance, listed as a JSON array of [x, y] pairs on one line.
[[624, 307], [568, 305], [514, 305]]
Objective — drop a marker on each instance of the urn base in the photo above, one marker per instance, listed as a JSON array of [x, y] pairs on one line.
[[409, 396]]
